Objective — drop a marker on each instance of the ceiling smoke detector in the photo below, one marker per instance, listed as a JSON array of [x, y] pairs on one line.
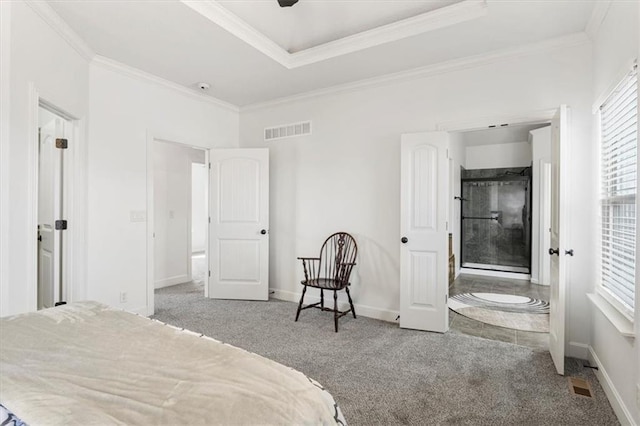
[[203, 86]]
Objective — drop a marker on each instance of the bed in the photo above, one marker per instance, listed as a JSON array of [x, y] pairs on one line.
[[86, 363]]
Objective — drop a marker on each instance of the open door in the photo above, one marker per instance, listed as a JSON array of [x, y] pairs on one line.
[[424, 256], [239, 243], [558, 250], [49, 210]]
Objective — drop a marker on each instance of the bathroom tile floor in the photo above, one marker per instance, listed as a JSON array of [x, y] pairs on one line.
[[466, 283]]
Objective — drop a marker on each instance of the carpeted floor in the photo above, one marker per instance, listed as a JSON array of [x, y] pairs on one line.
[[382, 375]]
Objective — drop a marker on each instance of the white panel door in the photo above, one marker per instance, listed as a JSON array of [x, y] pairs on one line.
[[239, 262], [49, 209], [424, 236], [558, 249]]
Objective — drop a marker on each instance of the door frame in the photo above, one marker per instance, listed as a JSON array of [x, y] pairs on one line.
[[153, 137], [480, 123], [74, 202]]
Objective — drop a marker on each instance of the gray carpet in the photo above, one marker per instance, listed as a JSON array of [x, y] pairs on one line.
[[380, 374]]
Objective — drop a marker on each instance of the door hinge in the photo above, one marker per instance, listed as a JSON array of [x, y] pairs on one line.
[[209, 166], [60, 225], [446, 225], [62, 143], [209, 273], [446, 299], [209, 219]]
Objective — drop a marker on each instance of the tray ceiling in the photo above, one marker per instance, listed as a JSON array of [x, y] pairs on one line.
[[223, 43]]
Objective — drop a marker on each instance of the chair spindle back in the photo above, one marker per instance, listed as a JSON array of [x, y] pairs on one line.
[[338, 256]]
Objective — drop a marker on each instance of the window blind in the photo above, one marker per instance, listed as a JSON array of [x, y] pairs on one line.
[[619, 126]]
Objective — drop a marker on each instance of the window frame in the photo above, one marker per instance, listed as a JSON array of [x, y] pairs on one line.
[[602, 291]]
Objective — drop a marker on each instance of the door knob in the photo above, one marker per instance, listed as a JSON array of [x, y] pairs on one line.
[[404, 240], [264, 231], [554, 251]]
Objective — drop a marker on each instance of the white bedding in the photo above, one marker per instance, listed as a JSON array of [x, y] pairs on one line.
[[86, 363]]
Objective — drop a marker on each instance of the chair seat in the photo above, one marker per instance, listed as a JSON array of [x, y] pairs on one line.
[[326, 283]]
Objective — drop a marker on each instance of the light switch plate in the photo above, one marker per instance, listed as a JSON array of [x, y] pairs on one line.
[[138, 216]]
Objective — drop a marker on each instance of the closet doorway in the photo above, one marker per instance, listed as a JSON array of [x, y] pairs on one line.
[[180, 222]]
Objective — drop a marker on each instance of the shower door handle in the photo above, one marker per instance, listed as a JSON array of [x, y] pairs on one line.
[[554, 251]]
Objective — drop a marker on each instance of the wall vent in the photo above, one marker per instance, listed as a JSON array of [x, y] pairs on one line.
[[287, 131]]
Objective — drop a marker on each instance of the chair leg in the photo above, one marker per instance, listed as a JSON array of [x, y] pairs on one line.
[[322, 298], [353, 311], [335, 308], [304, 290]]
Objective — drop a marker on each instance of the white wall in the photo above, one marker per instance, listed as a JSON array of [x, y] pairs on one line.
[[540, 140], [516, 154], [346, 176], [172, 213], [615, 45], [40, 56], [199, 212], [125, 111]]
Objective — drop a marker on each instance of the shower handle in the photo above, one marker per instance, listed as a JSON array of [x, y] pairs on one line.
[[554, 251]]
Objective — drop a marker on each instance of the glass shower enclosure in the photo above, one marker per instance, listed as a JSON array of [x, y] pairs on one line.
[[496, 220]]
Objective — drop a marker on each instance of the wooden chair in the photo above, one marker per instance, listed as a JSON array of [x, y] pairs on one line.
[[330, 271]]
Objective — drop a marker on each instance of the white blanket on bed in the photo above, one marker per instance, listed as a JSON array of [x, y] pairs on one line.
[[86, 363]]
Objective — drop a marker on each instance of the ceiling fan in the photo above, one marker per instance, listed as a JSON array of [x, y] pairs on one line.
[[287, 3]]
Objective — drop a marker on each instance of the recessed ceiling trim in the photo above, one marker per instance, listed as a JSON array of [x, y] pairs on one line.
[[221, 16], [425, 22], [571, 40]]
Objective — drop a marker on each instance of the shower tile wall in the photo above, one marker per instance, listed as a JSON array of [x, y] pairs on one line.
[[496, 226]]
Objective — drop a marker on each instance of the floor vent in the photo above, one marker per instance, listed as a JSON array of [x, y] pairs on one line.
[[287, 131], [580, 387]]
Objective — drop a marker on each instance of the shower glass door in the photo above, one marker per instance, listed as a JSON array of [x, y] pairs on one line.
[[496, 227]]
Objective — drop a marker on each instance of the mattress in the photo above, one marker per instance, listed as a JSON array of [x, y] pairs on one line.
[[86, 363]]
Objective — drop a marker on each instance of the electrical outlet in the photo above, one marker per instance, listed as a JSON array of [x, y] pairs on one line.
[[123, 297], [137, 215]]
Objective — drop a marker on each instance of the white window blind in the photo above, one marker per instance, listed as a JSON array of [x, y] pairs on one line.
[[619, 124]]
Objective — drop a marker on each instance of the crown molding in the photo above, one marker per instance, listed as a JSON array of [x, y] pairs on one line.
[[219, 15], [571, 40], [130, 71], [425, 22], [596, 19], [429, 21], [54, 20]]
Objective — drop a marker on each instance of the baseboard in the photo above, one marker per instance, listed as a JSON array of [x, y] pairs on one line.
[[578, 350], [140, 311], [364, 310], [178, 279], [621, 410]]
